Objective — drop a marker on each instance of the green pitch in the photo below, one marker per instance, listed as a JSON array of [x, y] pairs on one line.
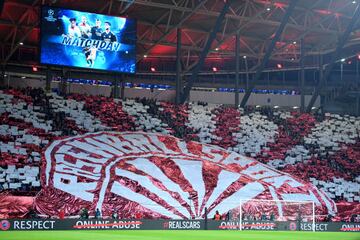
[[174, 235]]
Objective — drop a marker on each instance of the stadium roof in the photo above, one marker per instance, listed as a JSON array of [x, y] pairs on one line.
[[319, 22]]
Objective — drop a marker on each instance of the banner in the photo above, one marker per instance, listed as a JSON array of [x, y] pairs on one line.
[[131, 224], [247, 225], [98, 224], [285, 226], [331, 227], [111, 163]]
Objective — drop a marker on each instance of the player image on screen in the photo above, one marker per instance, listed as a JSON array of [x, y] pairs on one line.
[[96, 30], [73, 30], [85, 28], [108, 36], [90, 54], [87, 40]]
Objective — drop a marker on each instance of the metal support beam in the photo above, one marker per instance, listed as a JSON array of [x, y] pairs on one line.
[[63, 83], [237, 68], [7, 81], [116, 86], [2, 76], [122, 87], [12, 51], [230, 16], [302, 75], [321, 69], [247, 72], [314, 26], [175, 27], [48, 80], [269, 51], [178, 66], [335, 57], [128, 5], [357, 71], [205, 51]]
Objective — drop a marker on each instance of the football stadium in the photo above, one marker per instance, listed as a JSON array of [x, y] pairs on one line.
[[180, 119]]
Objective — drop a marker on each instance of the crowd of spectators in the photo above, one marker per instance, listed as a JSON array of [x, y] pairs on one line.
[[296, 149]]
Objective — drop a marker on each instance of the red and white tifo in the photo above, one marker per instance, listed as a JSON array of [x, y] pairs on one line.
[[160, 176]]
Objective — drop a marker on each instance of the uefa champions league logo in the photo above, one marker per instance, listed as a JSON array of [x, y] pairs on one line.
[[4, 225], [50, 16], [292, 226]]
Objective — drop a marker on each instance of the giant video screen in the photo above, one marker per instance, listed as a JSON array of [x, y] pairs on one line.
[[87, 40]]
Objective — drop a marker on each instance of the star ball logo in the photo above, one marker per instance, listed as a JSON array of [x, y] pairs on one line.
[[4, 225], [50, 17], [51, 12], [166, 225], [292, 226]]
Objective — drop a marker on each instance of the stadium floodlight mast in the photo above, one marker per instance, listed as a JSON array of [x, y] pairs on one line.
[[279, 204]]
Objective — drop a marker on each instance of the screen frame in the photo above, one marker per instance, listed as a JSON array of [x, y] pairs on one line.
[[83, 68]]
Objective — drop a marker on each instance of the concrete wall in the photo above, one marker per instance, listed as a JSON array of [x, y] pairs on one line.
[[89, 89], [169, 95], [161, 95], [255, 99]]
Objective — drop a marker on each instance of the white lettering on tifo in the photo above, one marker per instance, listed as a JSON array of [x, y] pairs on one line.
[[81, 152], [69, 183], [88, 166], [80, 168], [124, 146]]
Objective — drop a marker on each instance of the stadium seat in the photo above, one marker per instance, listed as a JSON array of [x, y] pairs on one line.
[[324, 152]]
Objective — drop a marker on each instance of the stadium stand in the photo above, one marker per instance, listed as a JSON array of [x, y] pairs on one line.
[[322, 149]]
